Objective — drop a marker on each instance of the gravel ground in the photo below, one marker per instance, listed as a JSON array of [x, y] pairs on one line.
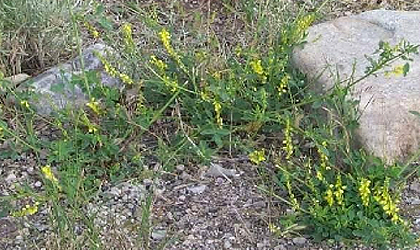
[[196, 207], [217, 207]]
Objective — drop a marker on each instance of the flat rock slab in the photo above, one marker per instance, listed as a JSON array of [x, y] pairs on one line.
[[54, 88], [387, 128]]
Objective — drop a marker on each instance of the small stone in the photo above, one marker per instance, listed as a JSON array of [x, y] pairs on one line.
[[10, 178], [38, 184], [227, 244], [180, 168], [299, 241], [30, 170], [218, 171], [415, 186], [197, 189], [185, 176], [158, 234], [280, 247], [182, 198]]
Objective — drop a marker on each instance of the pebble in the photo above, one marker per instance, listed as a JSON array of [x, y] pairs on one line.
[[197, 189], [38, 184], [158, 234], [415, 186], [182, 198], [299, 240], [10, 178], [180, 168]]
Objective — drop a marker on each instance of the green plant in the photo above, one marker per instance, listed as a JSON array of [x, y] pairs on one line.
[[185, 102]]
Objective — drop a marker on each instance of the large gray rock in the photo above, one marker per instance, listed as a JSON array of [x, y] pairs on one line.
[[54, 89], [387, 129]]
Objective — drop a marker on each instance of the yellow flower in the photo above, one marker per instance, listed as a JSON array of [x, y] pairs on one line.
[[92, 30], [287, 142], [257, 156], [161, 65], [165, 37], [273, 228], [396, 71], [388, 204], [48, 174], [284, 82], [94, 105], [303, 24], [126, 79], [364, 191], [27, 210], [294, 202], [24, 103], [218, 111], [339, 191], [127, 30], [329, 197], [128, 36], [257, 67]]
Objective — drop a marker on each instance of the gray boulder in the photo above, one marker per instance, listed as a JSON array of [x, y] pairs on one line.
[[387, 128], [54, 89]]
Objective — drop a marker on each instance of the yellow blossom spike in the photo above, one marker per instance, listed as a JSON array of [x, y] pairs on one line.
[[257, 156], [48, 174]]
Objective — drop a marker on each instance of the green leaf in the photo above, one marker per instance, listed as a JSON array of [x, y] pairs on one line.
[[415, 113]]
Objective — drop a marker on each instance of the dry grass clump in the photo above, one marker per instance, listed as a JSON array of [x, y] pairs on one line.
[[35, 34]]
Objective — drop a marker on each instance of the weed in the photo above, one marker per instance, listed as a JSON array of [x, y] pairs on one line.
[[185, 103]]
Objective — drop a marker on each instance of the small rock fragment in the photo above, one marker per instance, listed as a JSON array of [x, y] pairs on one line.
[[218, 171], [415, 186], [197, 189], [299, 241], [10, 178], [158, 234]]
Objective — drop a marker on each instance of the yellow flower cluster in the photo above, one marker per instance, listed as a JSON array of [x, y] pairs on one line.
[[293, 200], [27, 210], [258, 69], [165, 37], [161, 65], [302, 25], [24, 103], [218, 111], [48, 174], [284, 82], [94, 106], [329, 197], [257, 156], [113, 71], [396, 71], [94, 33], [287, 142], [171, 84], [273, 228], [91, 127], [364, 191], [335, 193], [339, 191], [323, 159], [128, 36], [388, 204]]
